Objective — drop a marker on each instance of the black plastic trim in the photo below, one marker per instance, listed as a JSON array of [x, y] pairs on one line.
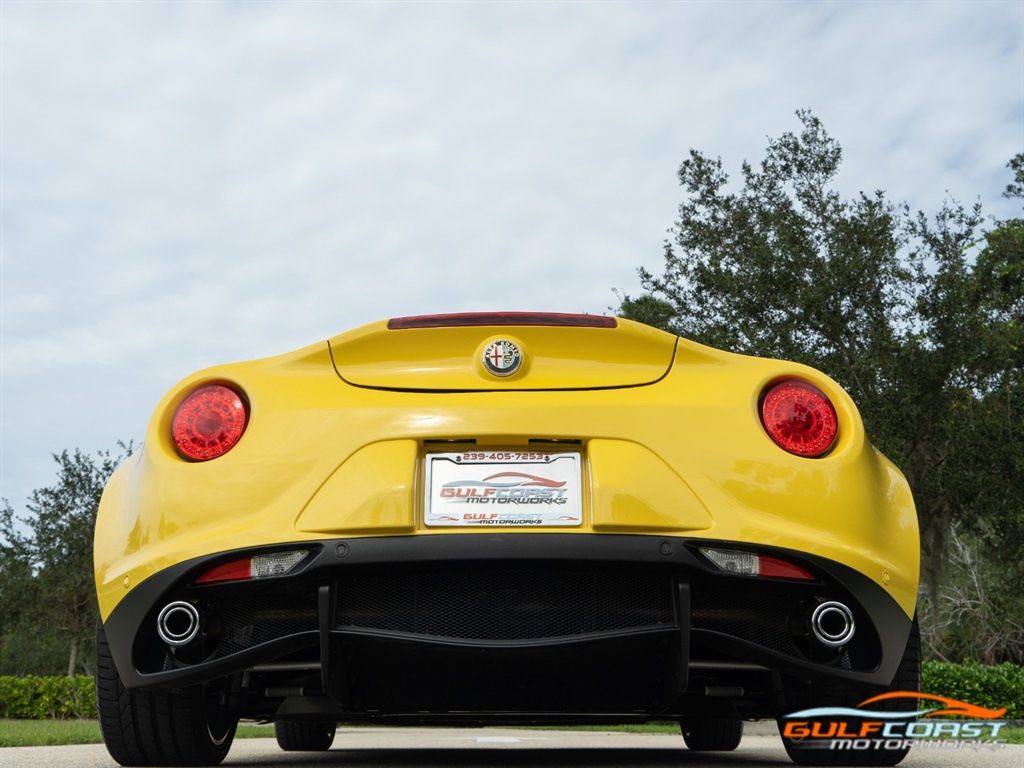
[[330, 558]]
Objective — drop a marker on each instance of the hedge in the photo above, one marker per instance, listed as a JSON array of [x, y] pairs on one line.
[[55, 698], [992, 687], [68, 698]]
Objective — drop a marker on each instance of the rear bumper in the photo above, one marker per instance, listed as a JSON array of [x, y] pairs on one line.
[[489, 623]]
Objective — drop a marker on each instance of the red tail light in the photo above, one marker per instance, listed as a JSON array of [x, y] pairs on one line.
[[800, 418], [209, 422]]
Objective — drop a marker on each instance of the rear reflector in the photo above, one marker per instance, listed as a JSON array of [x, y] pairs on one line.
[[257, 567], [501, 318], [773, 568], [753, 564], [236, 570]]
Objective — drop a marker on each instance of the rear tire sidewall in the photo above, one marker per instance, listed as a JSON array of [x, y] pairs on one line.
[[159, 728]]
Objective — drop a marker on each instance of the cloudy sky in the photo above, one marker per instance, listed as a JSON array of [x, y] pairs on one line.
[[187, 183]]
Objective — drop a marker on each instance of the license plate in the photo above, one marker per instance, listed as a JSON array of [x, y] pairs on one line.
[[503, 488]]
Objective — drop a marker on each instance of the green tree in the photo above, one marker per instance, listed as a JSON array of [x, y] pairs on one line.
[[26, 645], [918, 317], [46, 570]]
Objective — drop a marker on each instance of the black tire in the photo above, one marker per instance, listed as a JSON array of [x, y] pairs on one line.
[[722, 735], [303, 736], [159, 728], [907, 678]]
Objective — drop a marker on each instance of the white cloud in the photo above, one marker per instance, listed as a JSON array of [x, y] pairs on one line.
[[190, 182]]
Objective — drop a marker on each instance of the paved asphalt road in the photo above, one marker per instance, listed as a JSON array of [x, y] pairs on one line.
[[501, 748]]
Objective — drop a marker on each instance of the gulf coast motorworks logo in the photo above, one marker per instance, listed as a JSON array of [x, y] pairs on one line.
[[864, 728], [506, 488]]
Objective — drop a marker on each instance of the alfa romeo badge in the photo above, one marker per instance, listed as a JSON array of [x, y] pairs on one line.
[[502, 358]]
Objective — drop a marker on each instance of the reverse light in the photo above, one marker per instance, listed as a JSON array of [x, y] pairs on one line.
[[209, 422], [255, 567], [753, 564], [800, 418]]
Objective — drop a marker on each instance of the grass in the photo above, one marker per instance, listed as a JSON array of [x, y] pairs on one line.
[[42, 733], [58, 733], [1013, 735], [46, 733]]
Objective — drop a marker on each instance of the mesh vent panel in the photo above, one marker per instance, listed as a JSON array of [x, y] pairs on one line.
[[251, 621], [757, 618], [506, 605]]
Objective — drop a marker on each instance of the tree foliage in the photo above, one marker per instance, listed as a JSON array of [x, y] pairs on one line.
[[919, 317], [47, 593]]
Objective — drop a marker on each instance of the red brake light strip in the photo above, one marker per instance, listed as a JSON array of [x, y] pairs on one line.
[[461, 319]]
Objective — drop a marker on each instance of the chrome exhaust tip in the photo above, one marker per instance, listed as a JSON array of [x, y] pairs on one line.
[[832, 624], [178, 623]]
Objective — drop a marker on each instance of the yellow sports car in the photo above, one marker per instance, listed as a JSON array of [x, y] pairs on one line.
[[502, 518]]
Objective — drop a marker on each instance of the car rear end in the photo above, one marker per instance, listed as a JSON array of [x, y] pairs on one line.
[[507, 518]]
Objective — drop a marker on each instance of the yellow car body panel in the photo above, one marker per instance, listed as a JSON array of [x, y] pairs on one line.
[[450, 358], [668, 432]]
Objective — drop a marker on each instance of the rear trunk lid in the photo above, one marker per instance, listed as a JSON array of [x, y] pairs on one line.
[[502, 351]]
